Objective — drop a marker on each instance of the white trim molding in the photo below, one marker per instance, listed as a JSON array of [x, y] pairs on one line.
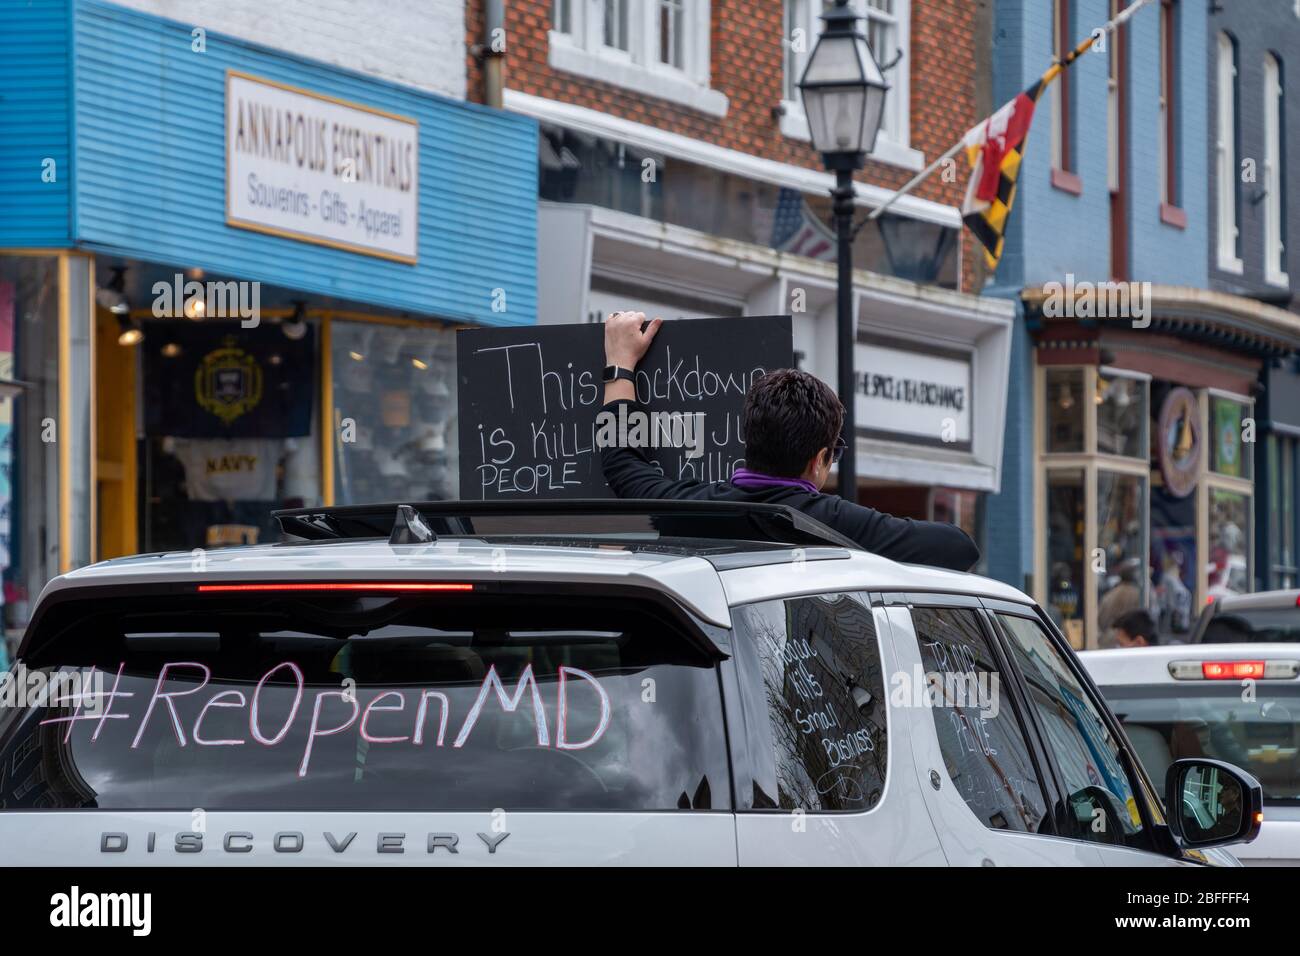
[[1226, 171], [1274, 252], [640, 65], [794, 124], [691, 150]]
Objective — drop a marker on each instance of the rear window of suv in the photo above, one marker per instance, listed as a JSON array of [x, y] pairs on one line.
[[367, 703]]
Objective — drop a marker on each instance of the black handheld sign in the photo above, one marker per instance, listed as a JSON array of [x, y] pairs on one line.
[[529, 401]]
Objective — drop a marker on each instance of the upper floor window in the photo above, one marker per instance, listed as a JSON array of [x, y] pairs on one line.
[[1275, 211], [658, 48], [1064, 172], [1227, 149], [1170, 200], [562, 16], [672, 30], [615, 24], [887, 24]]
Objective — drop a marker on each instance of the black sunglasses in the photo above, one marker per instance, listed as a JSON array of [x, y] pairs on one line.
[[838, 451]]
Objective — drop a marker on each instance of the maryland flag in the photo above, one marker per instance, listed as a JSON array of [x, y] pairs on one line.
[[993, 150]]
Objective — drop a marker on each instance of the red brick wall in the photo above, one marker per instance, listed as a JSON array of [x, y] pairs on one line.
[[747, 62]]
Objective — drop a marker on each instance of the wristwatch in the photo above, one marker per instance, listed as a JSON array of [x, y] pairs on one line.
[[615, 372]]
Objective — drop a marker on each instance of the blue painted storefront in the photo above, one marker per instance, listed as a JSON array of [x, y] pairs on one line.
[[1052, 232], [133, 120]]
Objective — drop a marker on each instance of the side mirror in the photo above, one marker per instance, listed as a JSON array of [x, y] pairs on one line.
[[1212, 803]]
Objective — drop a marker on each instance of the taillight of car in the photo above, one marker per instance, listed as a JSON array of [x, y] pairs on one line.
[[370, 587], [1234, 670]]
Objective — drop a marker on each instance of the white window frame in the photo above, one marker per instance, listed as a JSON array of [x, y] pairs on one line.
[[1112, 108], [556, 6], [894, 144], [1058, 117], [1226, 171], [1273, 249], [1164, 95], [583, 52]]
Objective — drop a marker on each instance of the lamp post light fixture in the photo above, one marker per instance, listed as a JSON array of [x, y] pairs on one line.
[[843, 93]]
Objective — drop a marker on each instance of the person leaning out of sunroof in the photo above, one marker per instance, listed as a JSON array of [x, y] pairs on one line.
[[792, 423]]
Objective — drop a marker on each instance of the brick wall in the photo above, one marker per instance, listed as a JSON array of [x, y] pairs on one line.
[[747, 62]]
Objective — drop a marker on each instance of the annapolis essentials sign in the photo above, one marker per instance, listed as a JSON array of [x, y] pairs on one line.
[[321, 170]]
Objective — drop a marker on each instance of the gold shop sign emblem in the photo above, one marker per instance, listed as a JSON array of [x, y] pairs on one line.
[[228, 382]]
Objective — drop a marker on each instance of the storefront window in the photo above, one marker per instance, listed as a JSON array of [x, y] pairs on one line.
[[1121, 416], [1065, 410], [29, 416], [1229, 566], [1121, 535], [1282, 466], [394, 412], [1228, 453], [1065, 551], [1173, 562], [230, 421]]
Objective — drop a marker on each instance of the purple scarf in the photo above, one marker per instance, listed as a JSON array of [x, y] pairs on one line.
[[744, 478]]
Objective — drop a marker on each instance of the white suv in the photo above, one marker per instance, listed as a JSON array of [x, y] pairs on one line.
[[572, 683]]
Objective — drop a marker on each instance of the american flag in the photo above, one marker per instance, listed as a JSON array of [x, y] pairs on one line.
[[797, 231]]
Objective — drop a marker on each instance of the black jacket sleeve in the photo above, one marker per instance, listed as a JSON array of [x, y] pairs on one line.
[[903, 539], [631, 475]]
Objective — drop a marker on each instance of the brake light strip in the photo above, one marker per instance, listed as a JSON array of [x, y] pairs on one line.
[[336, 586]]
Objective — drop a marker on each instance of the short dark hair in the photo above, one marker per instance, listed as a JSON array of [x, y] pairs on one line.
[[789, 417], [1138, 623]]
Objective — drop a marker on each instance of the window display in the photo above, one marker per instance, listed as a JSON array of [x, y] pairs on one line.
[[1065, 551], [1227, 449], [1121, 416], [1121, 535], [394, 412], [29, 468], [1229, 564], [230, 430], [1064, 410]]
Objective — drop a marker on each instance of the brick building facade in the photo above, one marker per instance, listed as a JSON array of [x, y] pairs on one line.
[[748, 43], [676, 175]]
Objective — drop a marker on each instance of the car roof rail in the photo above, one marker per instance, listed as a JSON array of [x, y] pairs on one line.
[[719, 520]]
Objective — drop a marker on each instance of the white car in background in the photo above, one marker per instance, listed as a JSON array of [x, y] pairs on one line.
[[1239, 703], [553, 682], [1265, 617]]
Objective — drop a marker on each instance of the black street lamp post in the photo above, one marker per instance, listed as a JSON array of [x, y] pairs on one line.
[[844, 98]]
